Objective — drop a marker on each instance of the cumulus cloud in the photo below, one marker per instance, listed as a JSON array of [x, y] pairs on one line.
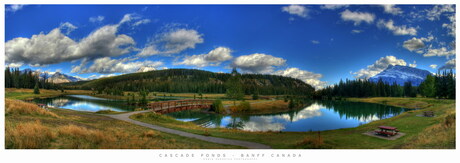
[[440, 52], [298, 10], [397, 30], [106, 65], [436, 12], [178, 40], [171, 42], [56, 47], [357, 17], [306, 76], [333, 6], [433, 66], [314, 41], [96, 19], [378, 66], [417, 44], [413, 44], [13, 7], [392, 9], [258, 63], [213, 58], [449, 65]]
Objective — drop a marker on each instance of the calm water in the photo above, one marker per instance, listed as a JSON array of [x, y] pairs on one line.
[[85, 103], [317, 116]]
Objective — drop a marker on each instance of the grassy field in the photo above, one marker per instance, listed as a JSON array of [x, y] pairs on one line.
[[29, 127], [421, 132]]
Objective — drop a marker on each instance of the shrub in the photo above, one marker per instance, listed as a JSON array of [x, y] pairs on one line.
[[217, 106], [450, 119], [244, 106]]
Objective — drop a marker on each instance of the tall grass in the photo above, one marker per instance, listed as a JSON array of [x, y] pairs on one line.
[[29, 135], [17, 107]]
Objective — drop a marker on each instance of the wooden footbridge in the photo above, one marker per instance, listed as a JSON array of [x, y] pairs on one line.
[[164, 107]]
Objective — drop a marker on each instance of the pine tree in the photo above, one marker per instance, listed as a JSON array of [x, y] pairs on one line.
[[36, 90]]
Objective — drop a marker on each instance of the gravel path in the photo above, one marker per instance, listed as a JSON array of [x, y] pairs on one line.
[[250, 145]]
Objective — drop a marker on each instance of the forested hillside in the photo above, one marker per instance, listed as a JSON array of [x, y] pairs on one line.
[[196, 81]]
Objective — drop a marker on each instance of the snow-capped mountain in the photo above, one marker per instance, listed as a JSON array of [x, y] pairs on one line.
[[145, 69], [401, 74], [54, 77]]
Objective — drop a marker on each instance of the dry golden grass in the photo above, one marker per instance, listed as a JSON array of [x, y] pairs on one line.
[[17, 107], [29, 135]]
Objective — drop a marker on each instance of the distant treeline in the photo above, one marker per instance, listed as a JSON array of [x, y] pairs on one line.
[[196, 81], [441, 85], [14, 78]]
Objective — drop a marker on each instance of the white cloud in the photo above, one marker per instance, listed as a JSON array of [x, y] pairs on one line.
[[414, 64], [149, 50], [298, 10], [140, 22], [439, 52], [438, 10], [356, 31], [449, 65], [306, 76], [67, 26], [397, 30], [213, 58], [378, 67], [357, 17], [450, 27], [258, 63], [314, 41], [392, 9], [96, 19], [433, 66], [333, 6], [55, 47], [14, 7], [106, 65], [178, 40], [413, 44], [14, 65]]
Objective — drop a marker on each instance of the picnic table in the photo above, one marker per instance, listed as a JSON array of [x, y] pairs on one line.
[[386, 131]]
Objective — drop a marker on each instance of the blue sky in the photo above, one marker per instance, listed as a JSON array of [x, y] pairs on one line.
[[319, 44]]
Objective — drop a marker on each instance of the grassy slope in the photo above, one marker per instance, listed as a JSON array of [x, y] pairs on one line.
[[28, 126], [422, 132]]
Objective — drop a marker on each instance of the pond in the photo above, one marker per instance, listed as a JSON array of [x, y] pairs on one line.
[[317, 116], [85, 103]]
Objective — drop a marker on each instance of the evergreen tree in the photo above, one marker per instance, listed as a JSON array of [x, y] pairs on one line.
[[234, 88], [36, 90]]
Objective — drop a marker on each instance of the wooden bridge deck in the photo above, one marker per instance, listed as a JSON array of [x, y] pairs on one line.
[[164, 107]]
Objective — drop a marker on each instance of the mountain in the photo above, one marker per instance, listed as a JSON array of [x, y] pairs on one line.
[[145, 69], [54, 77], [197, 81], [58, 77], [401, 74]]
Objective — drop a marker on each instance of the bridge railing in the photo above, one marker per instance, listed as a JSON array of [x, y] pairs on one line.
[[178, 103]]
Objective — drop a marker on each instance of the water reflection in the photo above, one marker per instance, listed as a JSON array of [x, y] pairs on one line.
[[85, 103], [318, 115]]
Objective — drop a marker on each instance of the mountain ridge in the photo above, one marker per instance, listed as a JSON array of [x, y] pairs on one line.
[[401, 74]]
